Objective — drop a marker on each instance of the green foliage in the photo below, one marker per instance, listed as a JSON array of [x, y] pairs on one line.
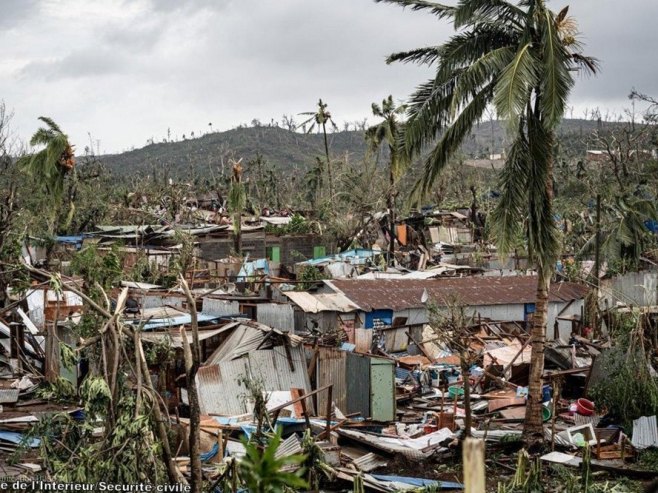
[[307, 275], [95, 395], [47, 165], [129, 455], [61, 390], [628, 390], [315, 461], [68, 357], [160, 352], [262, 472], [96, 267], [648, 459], [298, 225]]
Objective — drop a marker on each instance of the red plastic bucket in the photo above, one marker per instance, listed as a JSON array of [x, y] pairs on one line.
[[585, 407]]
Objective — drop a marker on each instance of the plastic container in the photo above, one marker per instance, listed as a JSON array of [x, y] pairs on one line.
[[547, 393], [455, 391], [546, 413], [585, 407]]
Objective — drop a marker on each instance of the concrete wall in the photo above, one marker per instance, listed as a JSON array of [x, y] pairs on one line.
[[294, 248]]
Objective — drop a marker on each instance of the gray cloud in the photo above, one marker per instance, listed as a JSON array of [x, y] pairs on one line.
[[127, 70]]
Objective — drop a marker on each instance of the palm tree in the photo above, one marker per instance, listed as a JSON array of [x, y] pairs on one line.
[[389, 131], [51, 164], [321, 118], [237, 201], [521, 58]]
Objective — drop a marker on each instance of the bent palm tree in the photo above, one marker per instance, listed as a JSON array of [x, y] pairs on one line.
[[519, 57], [51, 164], [321, 118], [389, 131]]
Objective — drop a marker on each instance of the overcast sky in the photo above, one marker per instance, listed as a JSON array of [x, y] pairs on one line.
[[126, 71]]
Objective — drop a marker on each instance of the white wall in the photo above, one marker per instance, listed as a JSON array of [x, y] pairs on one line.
[[636, 288]]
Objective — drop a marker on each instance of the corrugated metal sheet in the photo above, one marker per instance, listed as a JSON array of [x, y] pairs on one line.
[[290, 446], [363, 340], [272, 368], [219, 389], [276, 315], [396, 340], [331, 369], [399, 294], [175, 337], [645, 432], [220, 307], [244, 338], [358, 384], [369, 462], [321, 302], [156, 301]]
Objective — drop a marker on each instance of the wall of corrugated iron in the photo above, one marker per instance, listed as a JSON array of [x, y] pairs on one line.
[[156, 301], [219, 389], [271, 366], [220, 307], [331, 369], [276, 315]]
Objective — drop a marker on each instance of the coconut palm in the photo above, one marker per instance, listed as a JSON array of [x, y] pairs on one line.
[[519, 57], [51, 164], [320, 119], [389, 132], [237, 201]]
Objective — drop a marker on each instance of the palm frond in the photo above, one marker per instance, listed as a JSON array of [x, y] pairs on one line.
[[507, 217], [542, 232], [421, 56], [469, 12], [556, 80], [515, 83], [440, 10], [451, 140], [51, 124]]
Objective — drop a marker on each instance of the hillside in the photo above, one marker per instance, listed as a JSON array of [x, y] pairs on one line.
[[289, 150]]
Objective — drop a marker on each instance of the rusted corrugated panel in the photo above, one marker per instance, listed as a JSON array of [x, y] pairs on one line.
[[220, 307], [400, 294], [278, 315], [331, 369], [219, 389]]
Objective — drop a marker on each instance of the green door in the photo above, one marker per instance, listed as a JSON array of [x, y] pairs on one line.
[[319, 251], [382, 390], [274, 253]]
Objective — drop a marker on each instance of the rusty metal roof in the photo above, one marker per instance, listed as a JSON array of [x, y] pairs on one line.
[[400, 294]]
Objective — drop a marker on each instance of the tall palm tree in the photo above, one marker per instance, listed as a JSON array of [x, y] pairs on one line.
[[237, 201], [389, 131], [51, 164], [521, 58], [321, 118]]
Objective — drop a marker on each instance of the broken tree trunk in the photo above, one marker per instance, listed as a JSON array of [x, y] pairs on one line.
[[192, 357]]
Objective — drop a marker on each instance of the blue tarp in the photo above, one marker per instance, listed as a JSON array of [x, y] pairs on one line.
[[651, 225], [71, 240], [420, 482], [249, 268], [17, 438]]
